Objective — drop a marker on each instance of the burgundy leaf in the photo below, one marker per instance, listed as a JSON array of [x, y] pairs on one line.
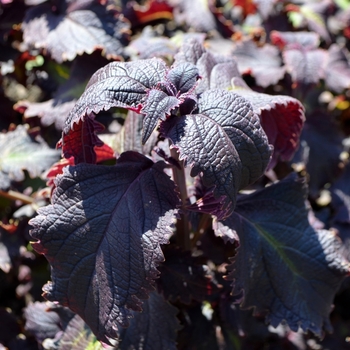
[[279, 249], [224, 141], [183, 277], [81, 141], [72, 28], [103, 261], [281, 117], [153, 328], [263, 63], [20, 152]]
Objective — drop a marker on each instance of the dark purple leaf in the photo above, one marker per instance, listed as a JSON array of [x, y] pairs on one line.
[[305, 65], [20, 152], [184, 77], [263, 63], [153, 328], [216, 71], [224, 141], [157, 106], [340, 191], [337, 71], [209, 204], [41, 321], [320, 151], [183, 277], [179, 82], [104, 261], [279, 249], [118, 84], [68, 29], [281, 117]]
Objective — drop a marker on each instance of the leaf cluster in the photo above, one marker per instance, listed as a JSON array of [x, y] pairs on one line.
[[183, 174]]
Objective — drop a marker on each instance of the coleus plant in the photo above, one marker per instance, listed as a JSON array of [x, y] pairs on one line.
[[104, 232]]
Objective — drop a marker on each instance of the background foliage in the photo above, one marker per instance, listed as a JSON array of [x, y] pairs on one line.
[[48, 52]]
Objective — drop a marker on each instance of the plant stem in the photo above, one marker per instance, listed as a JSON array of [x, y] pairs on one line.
[[182, 225], [13, 195]]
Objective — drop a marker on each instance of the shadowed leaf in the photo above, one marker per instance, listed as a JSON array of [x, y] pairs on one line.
[[154, 328], [183, 277], [103, 261], [279, 249]]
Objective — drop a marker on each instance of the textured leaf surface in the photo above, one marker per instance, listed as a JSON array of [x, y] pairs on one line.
[[279, 249], [216, 71], [154, 328], [19, 152], [158, 106], [282, 118], [102, 259], [183, 277], [118, 84], [72, 28], [224, 141]]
